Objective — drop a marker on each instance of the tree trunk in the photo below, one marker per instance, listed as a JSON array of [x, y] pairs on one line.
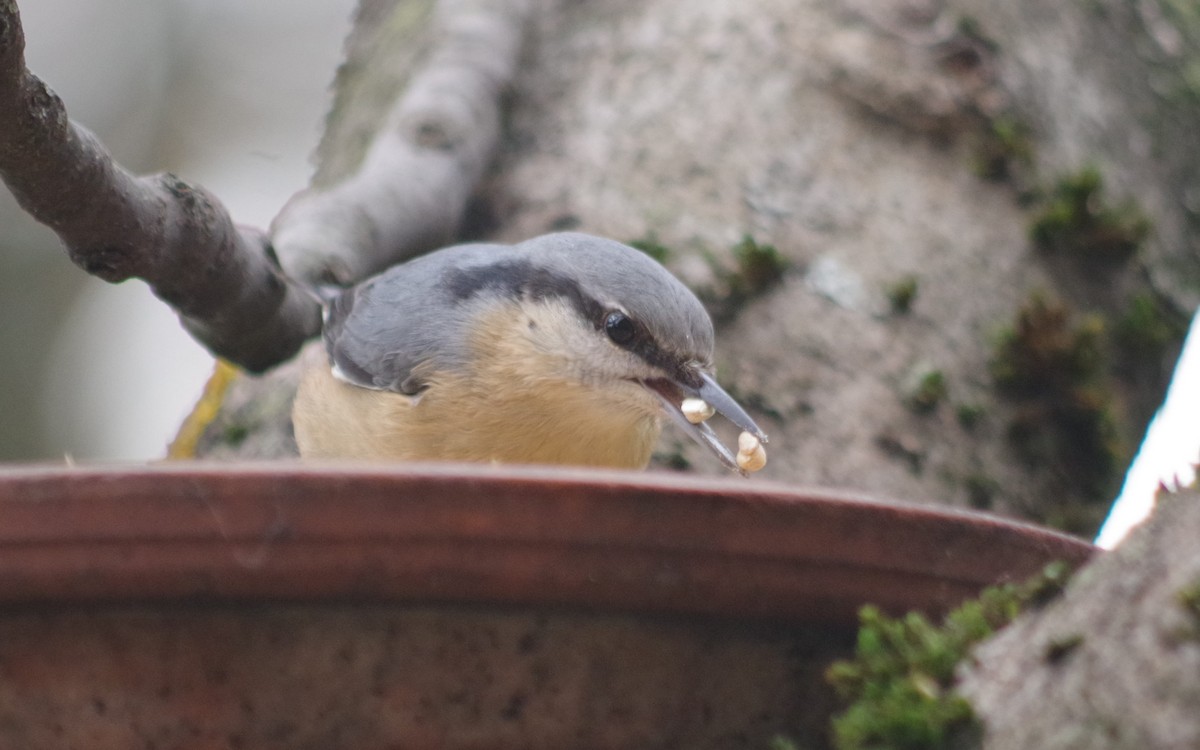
[[1115, 662], [920, 343]]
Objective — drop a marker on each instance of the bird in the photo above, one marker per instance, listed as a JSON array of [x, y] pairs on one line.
[[566, 348]]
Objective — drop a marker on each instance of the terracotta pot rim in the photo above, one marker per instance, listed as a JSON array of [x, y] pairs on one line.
[[449, 533]]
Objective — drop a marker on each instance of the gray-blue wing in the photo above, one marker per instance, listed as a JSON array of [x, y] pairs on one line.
[[384, 332]]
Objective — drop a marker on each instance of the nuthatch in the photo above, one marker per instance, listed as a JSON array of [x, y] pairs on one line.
[[565, 349]]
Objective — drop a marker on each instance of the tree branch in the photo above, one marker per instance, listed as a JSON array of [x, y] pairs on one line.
[[411, 189], [222, 280]]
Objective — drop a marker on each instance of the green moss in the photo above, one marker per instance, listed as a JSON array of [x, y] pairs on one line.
[[652, 247], [900, 683], [1004, 150], [981, 489], [1147, 329], [928, 391], [1065, 419], [759, 267], [1042, 354], [234, 435], [1077, 434], [1046, 586], [1076, 221], [1062, 647], [899, 686], [969, 27], [902, 293], [969, 415], [1189, 599]]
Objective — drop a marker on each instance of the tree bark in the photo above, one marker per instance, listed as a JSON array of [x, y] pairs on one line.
[[1115, 662], [409, 190]]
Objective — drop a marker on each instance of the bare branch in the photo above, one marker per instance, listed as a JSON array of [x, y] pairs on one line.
[[222, 280], [410, 192]]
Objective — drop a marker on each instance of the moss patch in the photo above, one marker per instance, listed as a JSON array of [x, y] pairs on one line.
[[1061, 648], [900, 683], [650, 245], [1077, 221], [1004, 151], [779, 742], [928, 390], [901, 294], [1189, 599], [969, 415], [1147, 329], [1042, 354], [758, 267], [1065, 423], [981, 490]]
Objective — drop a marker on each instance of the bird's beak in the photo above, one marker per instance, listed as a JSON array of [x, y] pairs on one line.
[[672, 392]]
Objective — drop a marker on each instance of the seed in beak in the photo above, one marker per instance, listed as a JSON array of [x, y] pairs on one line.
[[697, 410], [751, 455]]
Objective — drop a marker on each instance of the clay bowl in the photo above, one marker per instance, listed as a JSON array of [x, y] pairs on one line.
[[280, 606]]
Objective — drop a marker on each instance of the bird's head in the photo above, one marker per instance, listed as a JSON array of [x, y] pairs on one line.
[[611, 318]]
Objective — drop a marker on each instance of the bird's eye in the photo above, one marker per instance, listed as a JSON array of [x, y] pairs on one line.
[[620, 328]]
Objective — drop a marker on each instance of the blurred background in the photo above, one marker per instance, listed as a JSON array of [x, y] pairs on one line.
[[230, 95], [225, 93]]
